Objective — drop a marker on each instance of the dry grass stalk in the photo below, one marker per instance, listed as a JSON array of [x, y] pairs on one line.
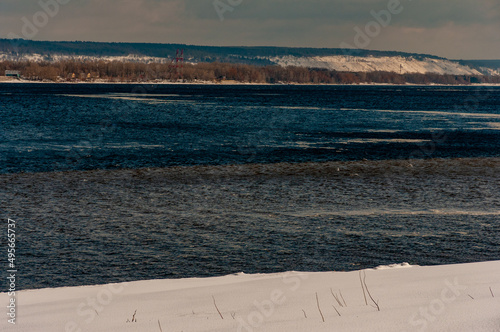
[[159, 325], [319, 309], [134, 320], [491, 293], [369, 294], [336, 298], [345, 304], [215, 304], [336, 310], [363, 288]]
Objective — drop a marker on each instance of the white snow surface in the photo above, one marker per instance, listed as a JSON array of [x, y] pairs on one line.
[[397, 64], [463, 297]]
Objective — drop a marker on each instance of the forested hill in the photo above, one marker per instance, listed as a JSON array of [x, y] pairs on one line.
[[333, 59], [193, 53]]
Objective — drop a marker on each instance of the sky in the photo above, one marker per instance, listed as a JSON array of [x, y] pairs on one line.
[[456, 29]]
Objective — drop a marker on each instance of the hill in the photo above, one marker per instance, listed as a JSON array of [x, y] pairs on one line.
[[330, 59], [193, 52]]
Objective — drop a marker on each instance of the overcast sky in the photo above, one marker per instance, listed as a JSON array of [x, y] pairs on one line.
[[466, 29]]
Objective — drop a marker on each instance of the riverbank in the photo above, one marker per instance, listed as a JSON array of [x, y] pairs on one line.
[[464, 297], [233, 82]]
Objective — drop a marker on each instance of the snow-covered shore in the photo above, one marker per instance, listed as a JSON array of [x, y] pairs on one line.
[[18, 81], [464, 297]]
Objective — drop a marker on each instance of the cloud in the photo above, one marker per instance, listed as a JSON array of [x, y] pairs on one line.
[[419, 13], [432, 26], [438, 13]]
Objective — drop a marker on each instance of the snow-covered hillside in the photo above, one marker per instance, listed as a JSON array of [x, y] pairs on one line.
[[57, 57], [396, 64], [489, 71]]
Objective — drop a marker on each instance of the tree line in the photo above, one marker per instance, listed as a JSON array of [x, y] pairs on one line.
[[118, 71]]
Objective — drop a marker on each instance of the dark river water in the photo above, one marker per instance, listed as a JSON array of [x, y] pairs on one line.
[[121, 182], [49, 127]]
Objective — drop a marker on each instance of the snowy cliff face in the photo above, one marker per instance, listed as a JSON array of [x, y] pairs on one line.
[[369, 64]]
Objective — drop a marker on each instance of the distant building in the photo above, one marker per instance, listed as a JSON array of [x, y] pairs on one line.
[[12, 73]]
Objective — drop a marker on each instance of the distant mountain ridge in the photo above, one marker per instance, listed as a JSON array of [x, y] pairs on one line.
[[327, 58]]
